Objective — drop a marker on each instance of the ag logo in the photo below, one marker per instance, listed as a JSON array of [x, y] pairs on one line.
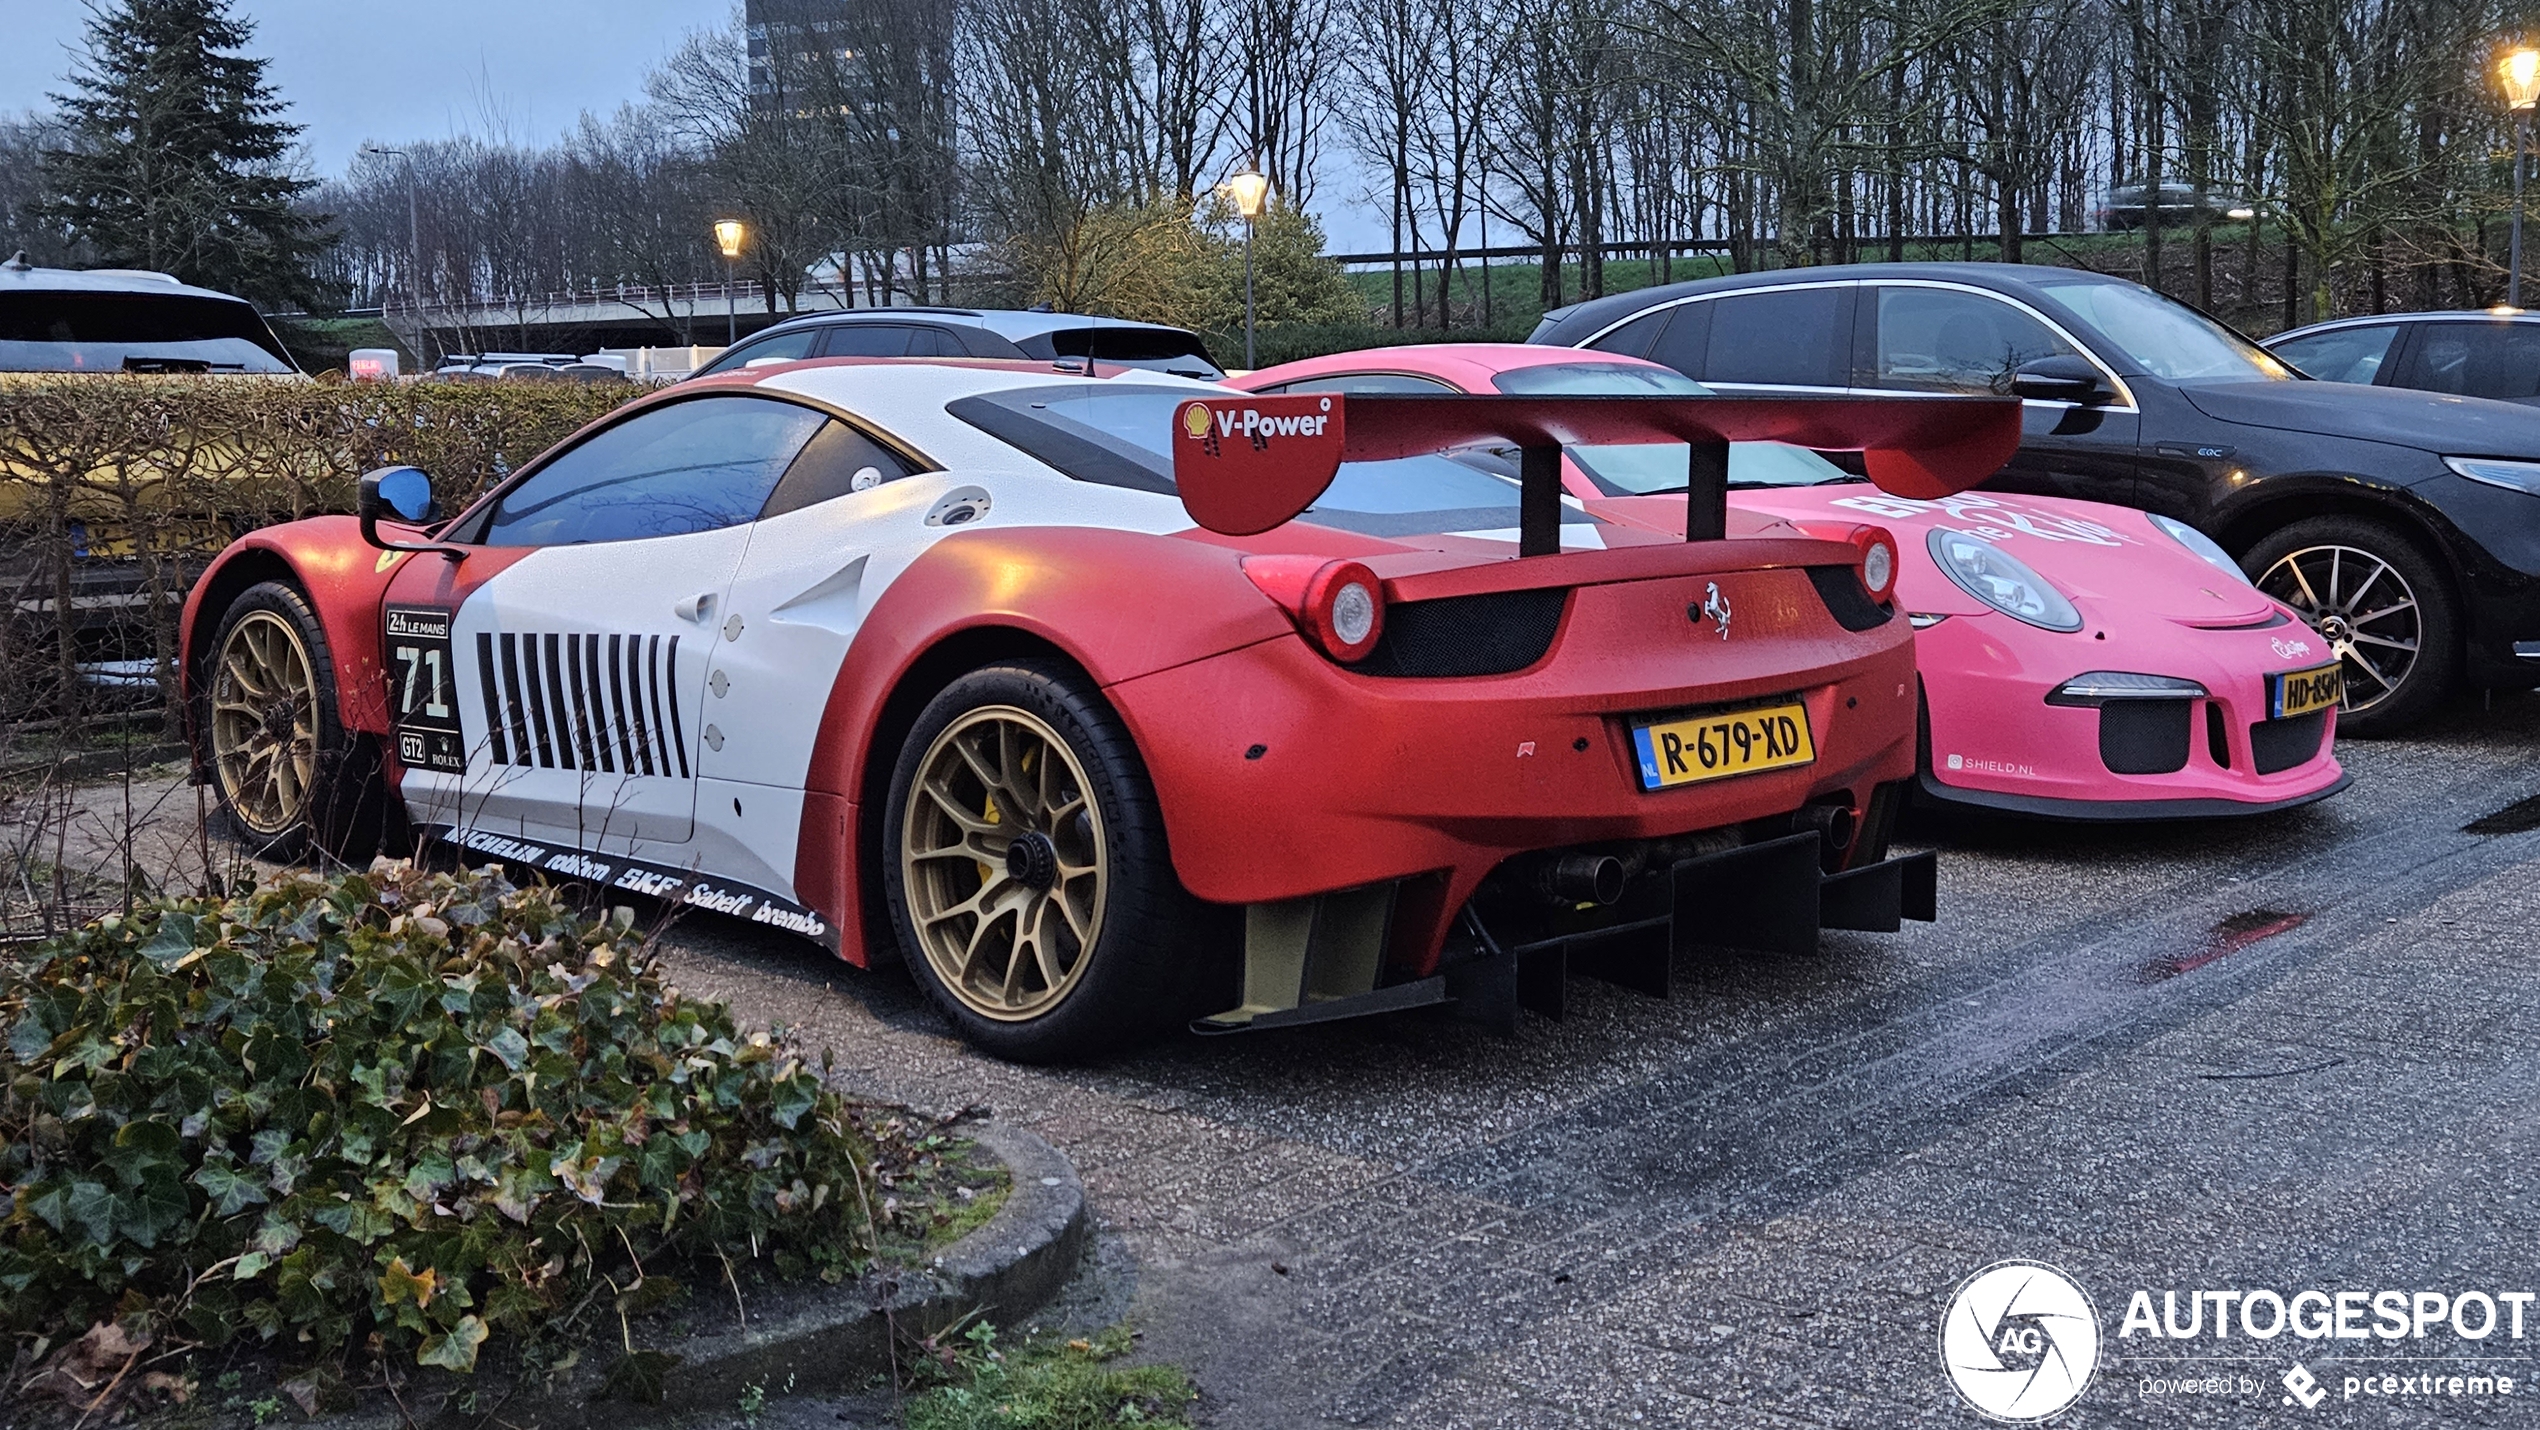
[[2020, 1341]]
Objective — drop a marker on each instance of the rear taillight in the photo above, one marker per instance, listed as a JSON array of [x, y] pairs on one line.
[[1339, 603], [1873, 554], [1878, 561]]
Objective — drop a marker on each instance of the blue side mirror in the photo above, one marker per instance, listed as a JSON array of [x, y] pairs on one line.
[[401, 494], [404, 493]]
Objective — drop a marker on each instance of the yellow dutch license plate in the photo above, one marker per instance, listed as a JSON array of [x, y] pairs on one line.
[[2299, 692], [1731, 742]]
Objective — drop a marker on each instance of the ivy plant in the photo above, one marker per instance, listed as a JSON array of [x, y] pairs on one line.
[[401, 1110]]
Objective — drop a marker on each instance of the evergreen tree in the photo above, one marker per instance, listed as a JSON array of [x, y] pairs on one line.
[[176, 150]]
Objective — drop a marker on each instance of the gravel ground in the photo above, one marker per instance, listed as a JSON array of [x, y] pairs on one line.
[[2289, 1052]]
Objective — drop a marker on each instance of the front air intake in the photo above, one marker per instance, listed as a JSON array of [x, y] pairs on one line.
[[1494, 633]]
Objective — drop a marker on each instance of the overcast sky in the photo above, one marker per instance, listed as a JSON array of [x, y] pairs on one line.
[[356, 70], [361, 71]]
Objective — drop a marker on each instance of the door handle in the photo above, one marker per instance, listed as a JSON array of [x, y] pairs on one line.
[[695, 608]]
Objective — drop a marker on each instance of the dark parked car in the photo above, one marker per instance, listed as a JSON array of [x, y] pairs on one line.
[[2179, 205], [2404, 525], [2475, 354], [973, 332]]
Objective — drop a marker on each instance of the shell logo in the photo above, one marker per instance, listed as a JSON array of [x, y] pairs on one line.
[[1195, 419]]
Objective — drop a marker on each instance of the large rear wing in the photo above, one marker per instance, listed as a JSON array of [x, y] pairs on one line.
[[1247, 464]]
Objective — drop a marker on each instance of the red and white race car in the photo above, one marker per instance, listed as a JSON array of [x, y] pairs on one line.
[[1059, 686]]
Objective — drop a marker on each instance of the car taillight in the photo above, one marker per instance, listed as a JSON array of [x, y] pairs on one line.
[[1339, 603], [1873, 554], [1878, 561]]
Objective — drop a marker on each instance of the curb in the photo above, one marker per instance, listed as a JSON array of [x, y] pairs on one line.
[[1004, 1270]]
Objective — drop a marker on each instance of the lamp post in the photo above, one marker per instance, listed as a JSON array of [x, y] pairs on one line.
[[728, 236], [414, 244], [1248, 188], [2521, 73]]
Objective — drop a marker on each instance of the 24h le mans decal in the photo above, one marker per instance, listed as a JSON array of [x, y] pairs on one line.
[[1246, 464]]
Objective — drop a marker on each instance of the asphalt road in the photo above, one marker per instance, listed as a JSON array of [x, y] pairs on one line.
[[2291, 1052]]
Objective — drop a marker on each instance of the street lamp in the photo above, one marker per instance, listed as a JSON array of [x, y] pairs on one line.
[[2521, 73], [728, 236], [1248, 188], [414, 242]]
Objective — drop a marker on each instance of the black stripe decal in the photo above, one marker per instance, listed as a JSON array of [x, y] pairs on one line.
[[537, 698], [485, 682], [634, 676], [617, 700], [678, 737], [511, 700], [556, 702], [652, 672], [596, 709]]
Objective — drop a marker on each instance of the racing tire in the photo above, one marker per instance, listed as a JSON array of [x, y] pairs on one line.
[[2384, 605], [290, 779], [1070, 939]]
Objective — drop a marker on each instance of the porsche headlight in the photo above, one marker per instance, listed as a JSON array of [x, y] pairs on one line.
[[2202, 545], [2002, 581], [2495, 472]]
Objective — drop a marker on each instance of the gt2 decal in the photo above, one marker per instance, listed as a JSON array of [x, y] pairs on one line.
[[1996, 521], [422, 693], [636, 876]]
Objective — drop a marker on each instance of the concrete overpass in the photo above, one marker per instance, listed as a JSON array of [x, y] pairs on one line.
[[618, 316]]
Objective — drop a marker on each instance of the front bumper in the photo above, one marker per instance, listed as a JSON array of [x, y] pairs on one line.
[[1991, 740]]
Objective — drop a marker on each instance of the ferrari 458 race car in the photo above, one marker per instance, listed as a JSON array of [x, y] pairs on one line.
[[2078, 661], [1059, 686]]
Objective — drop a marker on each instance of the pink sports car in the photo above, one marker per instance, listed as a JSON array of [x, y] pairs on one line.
[[2078, 661]]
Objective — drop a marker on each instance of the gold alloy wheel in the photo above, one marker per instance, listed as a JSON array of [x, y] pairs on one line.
[[1002, 861], [264, 723]]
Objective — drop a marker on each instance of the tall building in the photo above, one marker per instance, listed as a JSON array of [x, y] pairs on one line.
[[792, 29]]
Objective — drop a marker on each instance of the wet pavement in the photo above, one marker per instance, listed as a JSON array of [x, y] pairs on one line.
[[2293, 1052]]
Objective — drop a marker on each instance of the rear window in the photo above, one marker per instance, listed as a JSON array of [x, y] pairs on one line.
[[134, 332], [1121, 436], [1156, 349]]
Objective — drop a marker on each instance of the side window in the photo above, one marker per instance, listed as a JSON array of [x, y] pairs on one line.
[[2500, 360], [1632, 339], [1797, 337], [1684, 341], [837, 461], [783, 345], [868, 340], [933, 342], [1941, 340], [2346, 355], [666, 471], [1375, 382]]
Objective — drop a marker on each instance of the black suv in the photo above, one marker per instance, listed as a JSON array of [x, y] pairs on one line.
[[2405, 526]]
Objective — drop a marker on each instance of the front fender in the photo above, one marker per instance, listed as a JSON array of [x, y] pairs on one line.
[[344, 578]]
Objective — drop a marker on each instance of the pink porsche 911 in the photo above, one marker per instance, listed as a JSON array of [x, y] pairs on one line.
[[2078, 660]]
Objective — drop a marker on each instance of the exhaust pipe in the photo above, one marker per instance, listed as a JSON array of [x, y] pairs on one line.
[[1836, 824], [1584, 879]]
